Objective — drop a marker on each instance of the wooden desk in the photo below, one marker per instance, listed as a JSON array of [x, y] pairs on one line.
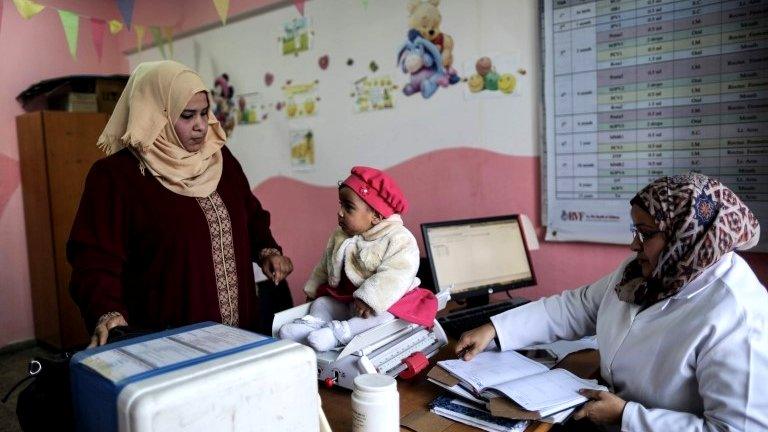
[[418, 393]]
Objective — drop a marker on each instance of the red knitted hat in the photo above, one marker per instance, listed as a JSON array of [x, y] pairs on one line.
[[378, 190]]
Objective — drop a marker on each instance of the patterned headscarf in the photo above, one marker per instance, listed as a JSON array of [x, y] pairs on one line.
[[702, 220]]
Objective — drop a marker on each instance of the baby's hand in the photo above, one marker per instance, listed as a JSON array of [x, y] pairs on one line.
[[362, 309]]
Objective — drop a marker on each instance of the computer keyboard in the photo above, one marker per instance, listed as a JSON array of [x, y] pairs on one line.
[[456, 323]]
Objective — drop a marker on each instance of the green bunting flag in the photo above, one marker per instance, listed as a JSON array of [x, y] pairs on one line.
[[139, 30], [168, 36], [71, 24], [157, 38]]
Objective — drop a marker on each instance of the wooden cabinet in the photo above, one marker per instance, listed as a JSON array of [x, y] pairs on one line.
[[56, 150]]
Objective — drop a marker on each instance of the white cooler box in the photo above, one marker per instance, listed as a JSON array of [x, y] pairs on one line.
[[203, 377]]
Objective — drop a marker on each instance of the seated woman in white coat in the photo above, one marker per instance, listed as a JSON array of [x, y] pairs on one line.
[[682, 326]]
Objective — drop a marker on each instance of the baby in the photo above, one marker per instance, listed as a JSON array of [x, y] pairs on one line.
[[367, 275]]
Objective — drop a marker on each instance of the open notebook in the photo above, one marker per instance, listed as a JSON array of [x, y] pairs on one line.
[[538, 391]]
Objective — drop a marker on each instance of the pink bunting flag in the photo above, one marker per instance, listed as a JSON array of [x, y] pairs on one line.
[[299, 6], [98, 30]]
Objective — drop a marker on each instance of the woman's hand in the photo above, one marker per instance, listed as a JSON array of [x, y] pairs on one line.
[[107, 322], [603, 408], [474, 341], [276, 267], [363, 310]]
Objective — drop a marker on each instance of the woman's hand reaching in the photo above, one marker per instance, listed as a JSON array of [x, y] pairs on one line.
[[276, 267], [107, 322], [475, 341]]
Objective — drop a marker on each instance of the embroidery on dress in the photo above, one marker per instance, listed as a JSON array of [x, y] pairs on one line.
[[223, 254]]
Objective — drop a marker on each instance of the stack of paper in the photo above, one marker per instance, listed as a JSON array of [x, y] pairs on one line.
[[474, 415], [513, 386]]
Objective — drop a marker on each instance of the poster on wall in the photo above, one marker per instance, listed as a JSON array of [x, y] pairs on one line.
[[297, 36], [250, 108], [301, 100], [374, 93], [617, 118], [493, 76], [302, 146]]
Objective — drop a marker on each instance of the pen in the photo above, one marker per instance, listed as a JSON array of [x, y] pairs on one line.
[[462, 352]]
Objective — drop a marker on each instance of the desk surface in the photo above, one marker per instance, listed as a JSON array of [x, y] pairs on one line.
[[418, 393]]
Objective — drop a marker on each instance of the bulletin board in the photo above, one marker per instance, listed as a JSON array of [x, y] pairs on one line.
[[639, 89]]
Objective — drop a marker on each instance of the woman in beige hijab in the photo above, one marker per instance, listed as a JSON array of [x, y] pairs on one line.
[[168, 227]]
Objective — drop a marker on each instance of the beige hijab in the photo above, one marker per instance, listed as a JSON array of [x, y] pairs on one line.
[[152, 101]]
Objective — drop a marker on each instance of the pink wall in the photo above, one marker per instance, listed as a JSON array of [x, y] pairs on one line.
[[32, 51], [447, 184], [35, 50]]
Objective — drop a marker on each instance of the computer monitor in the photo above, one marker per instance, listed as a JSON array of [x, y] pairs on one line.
[[476, 257]]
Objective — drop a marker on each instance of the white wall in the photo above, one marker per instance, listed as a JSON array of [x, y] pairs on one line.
[[247, 49]]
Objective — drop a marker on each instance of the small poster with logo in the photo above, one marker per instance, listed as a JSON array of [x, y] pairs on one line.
[[297, 36], [301, 100], [374, 93], [302, 145]]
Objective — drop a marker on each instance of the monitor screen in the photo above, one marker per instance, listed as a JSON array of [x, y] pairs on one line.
[[478, 256]]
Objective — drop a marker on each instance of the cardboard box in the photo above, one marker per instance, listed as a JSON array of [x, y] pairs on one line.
[[81, 102], [53, 94], [108, 92]]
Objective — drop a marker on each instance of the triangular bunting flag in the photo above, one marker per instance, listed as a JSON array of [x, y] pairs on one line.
[[168, 36], [126, 10], [139, 29], [157, 37], [222, 7], [27, 8], [300, 6], [115, 26], [98, 30], [71, 24]]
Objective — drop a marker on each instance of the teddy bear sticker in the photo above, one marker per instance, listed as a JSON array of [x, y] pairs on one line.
[[424, 20], [424, 53]]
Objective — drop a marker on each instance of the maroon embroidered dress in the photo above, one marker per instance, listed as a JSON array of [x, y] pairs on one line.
[[163, 259]]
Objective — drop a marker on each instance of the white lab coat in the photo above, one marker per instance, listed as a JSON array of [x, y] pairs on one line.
[[697, 361]]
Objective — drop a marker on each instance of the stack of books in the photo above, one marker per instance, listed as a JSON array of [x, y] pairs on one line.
[[508, 385], [475, 415]]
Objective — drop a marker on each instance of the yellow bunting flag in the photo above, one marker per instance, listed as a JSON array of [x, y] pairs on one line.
[[168, 35], [139, 29], [222, 7], [71, 23], [115, 26], [27, 8], [157, 38]]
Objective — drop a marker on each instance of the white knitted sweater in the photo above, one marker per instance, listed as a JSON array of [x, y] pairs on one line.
[[382, 262]]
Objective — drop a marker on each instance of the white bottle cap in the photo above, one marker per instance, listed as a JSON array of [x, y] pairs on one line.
[[375, 383]]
